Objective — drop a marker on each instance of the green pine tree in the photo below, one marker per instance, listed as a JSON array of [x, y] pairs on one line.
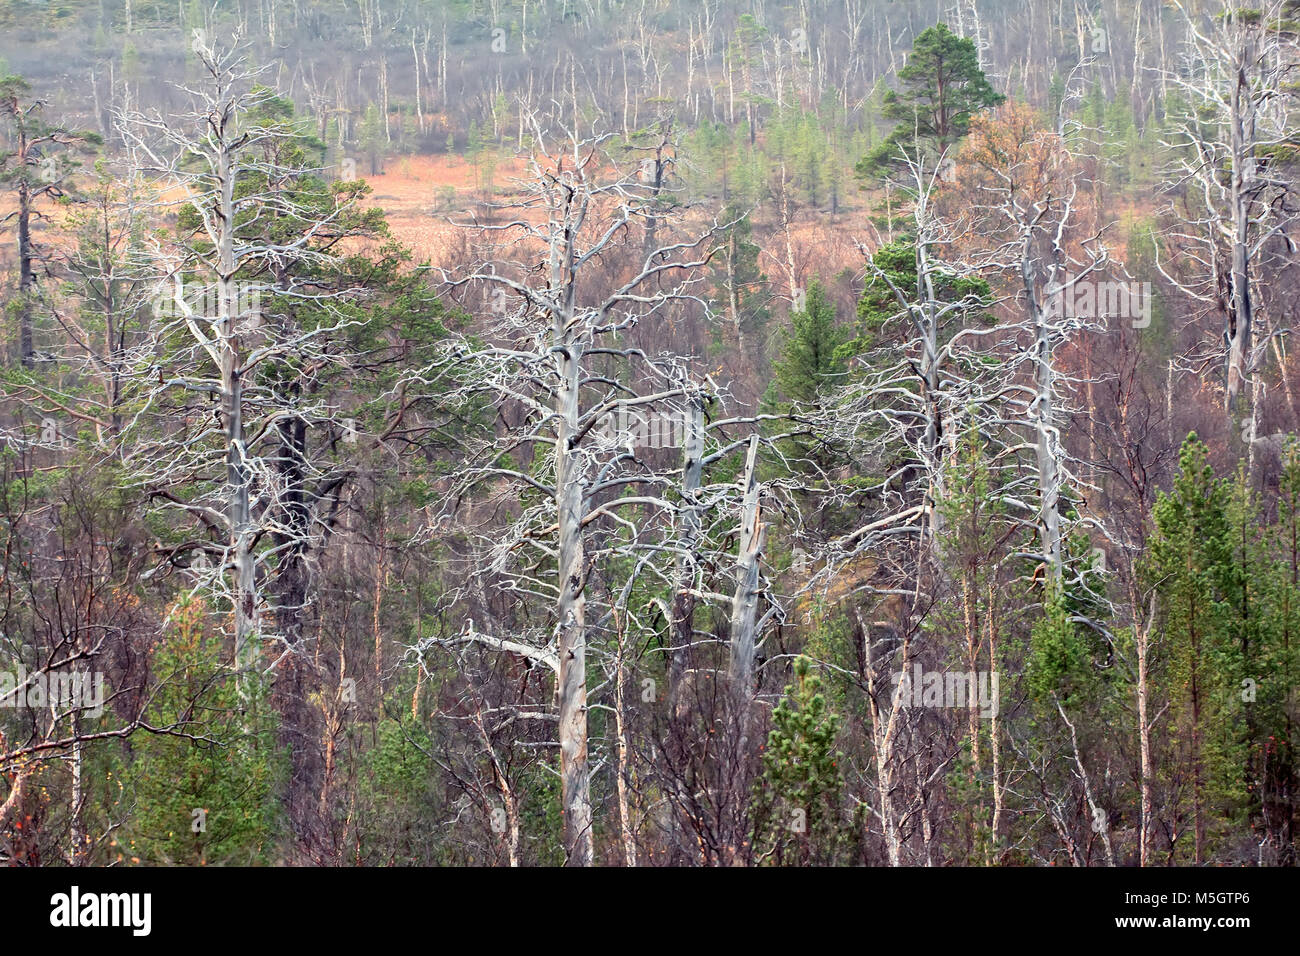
[[799, 819], [1191, 559], [943, 87], [206, 797]]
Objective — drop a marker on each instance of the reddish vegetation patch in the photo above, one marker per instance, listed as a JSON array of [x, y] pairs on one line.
[[419, 194], [422, 195]]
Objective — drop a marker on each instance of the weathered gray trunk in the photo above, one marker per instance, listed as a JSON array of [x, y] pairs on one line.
[[683, 610], [744, 605], [884, 734], [682, 634], [932, 446], [624, 750], [740, 687], [1043, 417], [1240, 318], [239, 511], [570, 489]]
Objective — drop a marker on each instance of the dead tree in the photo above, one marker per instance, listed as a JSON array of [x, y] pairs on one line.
[[37, 170], [223, 373], [557, 362], [1230, 201]]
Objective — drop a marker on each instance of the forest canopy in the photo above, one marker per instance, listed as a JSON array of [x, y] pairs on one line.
[[641, 432]]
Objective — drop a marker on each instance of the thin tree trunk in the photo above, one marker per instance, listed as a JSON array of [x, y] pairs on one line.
[[1087, 788], [1143, 640], [624, 780], [575, 784], [744, 604]]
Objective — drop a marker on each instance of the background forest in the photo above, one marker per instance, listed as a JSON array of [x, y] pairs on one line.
[[649, 432]]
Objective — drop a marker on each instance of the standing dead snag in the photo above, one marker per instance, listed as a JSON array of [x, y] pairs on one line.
[[1238, 85], [215, 324], [254, 300], [1022, 184], [744, 605], [35, 169], [571, 473], [218, 326], [740, 671], [682, 615]]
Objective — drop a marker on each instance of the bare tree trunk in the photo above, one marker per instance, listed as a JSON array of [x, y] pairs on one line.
[[744, 605], [509, 805], [1241, 311], [884, 734], [76, 824], [683, 610], [624, 770], [419, 108], [1097, 814], [1143, 640], [575, 784], [1279, 352], [247, 624], [740, 697], [1046, 443], [789, 241]]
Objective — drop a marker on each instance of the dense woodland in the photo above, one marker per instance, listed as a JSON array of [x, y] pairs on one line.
[[826, 432]]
